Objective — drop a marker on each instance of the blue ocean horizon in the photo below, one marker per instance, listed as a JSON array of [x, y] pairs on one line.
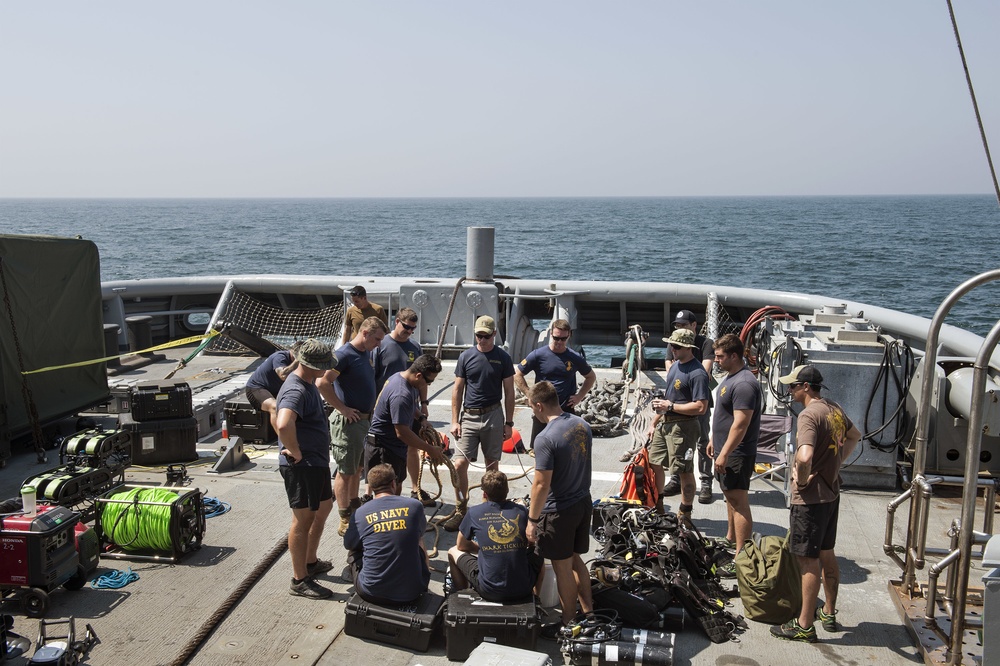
[[901, 252]]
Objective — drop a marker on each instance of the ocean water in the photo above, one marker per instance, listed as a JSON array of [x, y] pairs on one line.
[[905, 253]]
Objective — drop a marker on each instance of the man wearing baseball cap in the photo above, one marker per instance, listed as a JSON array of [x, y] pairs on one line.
[[482, 409], [304, 464], [703, 353], [824, 438]]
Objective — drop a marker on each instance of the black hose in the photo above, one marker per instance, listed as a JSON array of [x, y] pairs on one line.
[[897, 365]]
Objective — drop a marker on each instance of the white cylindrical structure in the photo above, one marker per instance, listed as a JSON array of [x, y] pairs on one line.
[[549, 596], [479, 254], [28, 500]]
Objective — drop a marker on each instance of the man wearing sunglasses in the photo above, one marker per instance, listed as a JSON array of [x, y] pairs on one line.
[[558, 364], [703, 353], [482, 409], [396, 353], [824, 438]]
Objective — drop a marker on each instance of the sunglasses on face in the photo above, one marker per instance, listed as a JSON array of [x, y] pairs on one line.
[[560, 338], [483, 336], [407, 327]]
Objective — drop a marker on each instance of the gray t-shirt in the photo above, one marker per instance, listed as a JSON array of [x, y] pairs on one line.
[[392, 357], [565, 448], [737, 391]]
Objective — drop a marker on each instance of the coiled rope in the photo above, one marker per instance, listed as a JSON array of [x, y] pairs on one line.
[[115, 579], [215, 507], [139, 519]]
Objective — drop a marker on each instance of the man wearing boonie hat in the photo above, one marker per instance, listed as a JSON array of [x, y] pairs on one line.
[[482, 408], [304, 463], [703, 354], [824, 438], [361, 308], [674, 432]]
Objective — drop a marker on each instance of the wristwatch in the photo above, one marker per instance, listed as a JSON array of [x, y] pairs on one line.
[[670, 406], [509, 423]]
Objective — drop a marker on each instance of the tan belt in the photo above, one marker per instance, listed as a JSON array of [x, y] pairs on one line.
[[479, 411]]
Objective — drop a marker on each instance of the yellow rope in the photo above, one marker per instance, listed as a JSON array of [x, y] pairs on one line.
[[166, 345]]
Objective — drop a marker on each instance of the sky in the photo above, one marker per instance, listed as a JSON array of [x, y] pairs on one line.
[[494, 99]]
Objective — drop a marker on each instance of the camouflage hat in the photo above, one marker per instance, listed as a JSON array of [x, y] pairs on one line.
[[315, 354], [681, 337]]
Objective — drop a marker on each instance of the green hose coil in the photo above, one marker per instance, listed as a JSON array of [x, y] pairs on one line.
[[139, 519]]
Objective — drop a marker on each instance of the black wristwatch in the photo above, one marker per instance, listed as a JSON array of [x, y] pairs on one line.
[[533, 520], [670, 407], [509, 423]]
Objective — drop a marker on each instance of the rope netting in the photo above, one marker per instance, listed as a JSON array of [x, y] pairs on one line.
[[278, 326]]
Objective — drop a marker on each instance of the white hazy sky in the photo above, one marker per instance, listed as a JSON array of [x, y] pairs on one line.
[[384, 98]]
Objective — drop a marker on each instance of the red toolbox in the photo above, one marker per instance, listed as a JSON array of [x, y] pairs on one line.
[[152, 402]]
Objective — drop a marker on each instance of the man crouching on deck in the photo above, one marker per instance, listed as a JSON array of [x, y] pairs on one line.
[[560, 510], [388, 559], [304, 463]]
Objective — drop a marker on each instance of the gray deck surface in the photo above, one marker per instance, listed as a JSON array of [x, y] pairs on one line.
[[151, 620]]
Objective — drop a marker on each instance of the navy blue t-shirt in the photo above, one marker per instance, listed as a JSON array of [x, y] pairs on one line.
[[397, 404], [737, 391], [264, 377], [687, 382], [565, 447], [392, 357], [483, 373], [560, 369], [504, 574], [311, 427], [388, 531], [356, 382]]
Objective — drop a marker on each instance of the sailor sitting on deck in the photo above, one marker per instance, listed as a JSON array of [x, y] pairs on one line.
[[492, 553], [388, 559]]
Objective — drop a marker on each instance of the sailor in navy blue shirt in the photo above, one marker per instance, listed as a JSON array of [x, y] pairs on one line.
[[559, 364]]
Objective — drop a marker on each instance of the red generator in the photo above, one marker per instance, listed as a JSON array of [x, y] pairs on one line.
[[39, 553]]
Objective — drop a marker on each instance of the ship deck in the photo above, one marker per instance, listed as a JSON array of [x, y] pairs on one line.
[[154, 619]]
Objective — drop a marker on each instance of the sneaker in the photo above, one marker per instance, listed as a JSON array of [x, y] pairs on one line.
[[705, 495], [828, 620], [725, 544], [309, 589], [424, 497], [319, 567], [727, 570], [792, 631], [453, 523], [672, 488]]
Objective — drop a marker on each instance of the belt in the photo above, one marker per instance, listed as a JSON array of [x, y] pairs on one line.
[[670, 417], [477, 411]]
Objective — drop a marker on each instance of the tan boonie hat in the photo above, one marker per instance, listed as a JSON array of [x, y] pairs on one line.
[[485, 324], [316, 355], [681, 337]]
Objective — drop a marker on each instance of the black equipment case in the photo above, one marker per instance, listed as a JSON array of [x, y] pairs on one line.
[[469, 621], [246, 422], [152, 402], [163, 441], [409, 627]]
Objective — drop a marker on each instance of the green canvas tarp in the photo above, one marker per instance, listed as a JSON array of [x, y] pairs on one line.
[[53, 286]]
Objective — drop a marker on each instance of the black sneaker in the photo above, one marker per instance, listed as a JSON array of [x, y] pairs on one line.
[[727, 570], [319, 567], [672, 488], [793, 631], [424, 497], [310, 589], [705, 495]]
